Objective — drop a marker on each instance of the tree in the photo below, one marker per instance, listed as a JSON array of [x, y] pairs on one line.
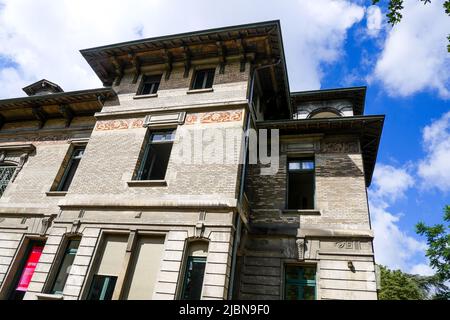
[[438, 251], [395, 8], [396, 285]]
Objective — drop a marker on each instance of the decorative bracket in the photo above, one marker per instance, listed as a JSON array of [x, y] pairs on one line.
[[137, 66], [301, 248], [118, 68], [46, 222], [40, 116], [187, 55], [168, 61], [67, 113], [222, 51]]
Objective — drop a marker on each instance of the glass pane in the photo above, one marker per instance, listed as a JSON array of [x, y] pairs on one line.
[[210, 78], [77, 154], [199, 79], [309, 273], [102, 288], [294, 165], [162, 136], [292, 272], [309, 293], [194, 278], [308, 165], [291, 292], [65, 266]]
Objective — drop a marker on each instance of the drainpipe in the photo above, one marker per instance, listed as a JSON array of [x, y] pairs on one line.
[[238, 223]]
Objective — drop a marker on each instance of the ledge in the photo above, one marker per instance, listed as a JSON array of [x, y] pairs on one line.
[[343, 233], [18, 147], [145, 96], [306, 212], [147, 183], [115, 201], [44, 296], [56, 193], [191, 91]]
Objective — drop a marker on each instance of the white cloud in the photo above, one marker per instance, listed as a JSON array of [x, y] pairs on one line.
[[43, 37], [415, 56], [374, 19], [435, 168], [390, 183], [422, 269], [393, 247]]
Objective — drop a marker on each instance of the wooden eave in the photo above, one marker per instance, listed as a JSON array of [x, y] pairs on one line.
[[52, 106], [259, 43]]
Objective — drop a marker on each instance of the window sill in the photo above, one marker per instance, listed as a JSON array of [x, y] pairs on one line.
[[191, 91], [145, 96], [56, 193], [44, 296], [303, 212], [147, 183]]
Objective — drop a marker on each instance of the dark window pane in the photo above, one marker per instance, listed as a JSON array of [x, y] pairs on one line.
[[300, 283], [203, 79], [72, 167], [102, 288], [150, 84], [193, 281], [66, 264], [156, 156], [301, 184]]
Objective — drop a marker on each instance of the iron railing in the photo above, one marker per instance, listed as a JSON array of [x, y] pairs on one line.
[[6, 173]]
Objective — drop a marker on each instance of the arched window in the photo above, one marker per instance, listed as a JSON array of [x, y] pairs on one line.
[[6, 173], [194, 273], [325, 113]]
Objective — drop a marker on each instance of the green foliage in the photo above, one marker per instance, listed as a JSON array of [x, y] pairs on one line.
[[395, 7], [396, 285], [438, 241]]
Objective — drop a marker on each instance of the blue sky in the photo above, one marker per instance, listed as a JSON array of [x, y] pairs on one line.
[[328, 44]]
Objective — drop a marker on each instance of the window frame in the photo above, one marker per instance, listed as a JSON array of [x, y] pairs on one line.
[[68, 166], [145, 153], [152, 82], [57, 264], [304, 283], [205, 79], [288, 171], [3, 185]]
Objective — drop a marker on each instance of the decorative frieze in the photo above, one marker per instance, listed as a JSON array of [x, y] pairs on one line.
[[214, 117], [340, 147], [119, 124]]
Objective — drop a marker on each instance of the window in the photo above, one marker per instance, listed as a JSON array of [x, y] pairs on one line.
[[156, 156], [64, 268], [102, 287], [109, 265], [203, 79], [301, 184], [150, 84], [23, 278], [300, 283], [195, 271], [6, 173], [71, 168]]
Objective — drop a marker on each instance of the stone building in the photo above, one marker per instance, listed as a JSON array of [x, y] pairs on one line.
[[94, 203]]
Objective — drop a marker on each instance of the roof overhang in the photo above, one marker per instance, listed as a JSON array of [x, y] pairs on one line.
[[357, 95], [56, 105], [259, 43], [367, 128]]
